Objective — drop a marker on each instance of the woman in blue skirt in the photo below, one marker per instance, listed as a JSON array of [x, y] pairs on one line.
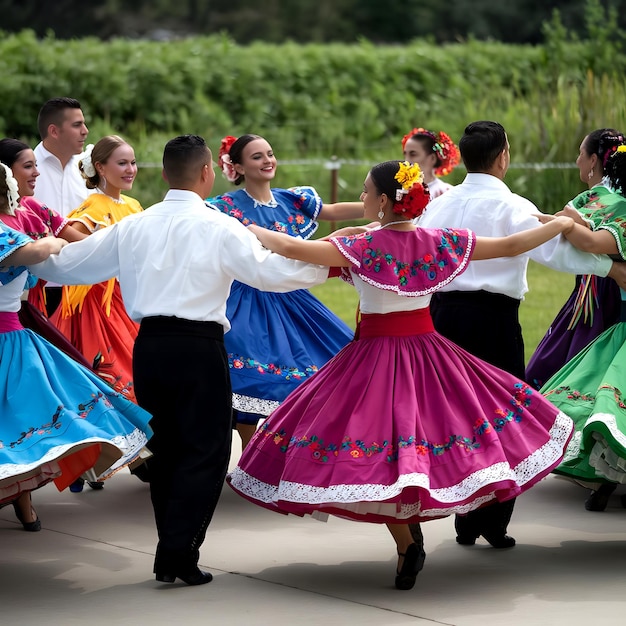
[[277, 340]]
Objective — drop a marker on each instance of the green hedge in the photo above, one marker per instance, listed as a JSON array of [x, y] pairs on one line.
[[353, 101]]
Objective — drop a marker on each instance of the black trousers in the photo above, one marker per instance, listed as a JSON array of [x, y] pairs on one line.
[[53, 299], [181, 376], [486, 325]]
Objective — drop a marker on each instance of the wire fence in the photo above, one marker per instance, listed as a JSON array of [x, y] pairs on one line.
[[335, 163]]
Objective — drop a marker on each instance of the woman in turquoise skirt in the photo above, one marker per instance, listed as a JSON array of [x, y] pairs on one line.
[[58, 418], [590, 387]]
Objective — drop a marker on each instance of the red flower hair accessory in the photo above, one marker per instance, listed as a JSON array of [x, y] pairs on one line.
[[445, 149], [413, 196], [224, 159], [448, 154]]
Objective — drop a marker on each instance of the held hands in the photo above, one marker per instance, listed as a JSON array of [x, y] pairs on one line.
[[55, 244], [262, 234], [544, 218], [566, 223], [569, 211]]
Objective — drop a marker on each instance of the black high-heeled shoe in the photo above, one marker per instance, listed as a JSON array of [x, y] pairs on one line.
[[31, 527], [598, 499], [413, 563]]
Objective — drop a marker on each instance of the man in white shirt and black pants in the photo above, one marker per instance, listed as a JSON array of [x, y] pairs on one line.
[[479, 310], [176, 262]]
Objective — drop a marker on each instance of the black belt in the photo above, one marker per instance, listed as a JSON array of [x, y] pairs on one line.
[[479, 297], [180, 326]]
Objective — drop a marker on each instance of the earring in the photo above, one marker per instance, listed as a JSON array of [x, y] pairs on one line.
[[590, 175], [381, 214]]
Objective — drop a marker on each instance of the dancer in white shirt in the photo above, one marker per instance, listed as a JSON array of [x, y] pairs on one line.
[[479, 310], [60, 186], [176, 262], [63, 133]]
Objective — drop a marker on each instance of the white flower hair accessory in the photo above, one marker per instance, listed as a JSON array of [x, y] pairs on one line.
[[228, 168], [13, 193], [400, 193], [226, 163], [85, 160]]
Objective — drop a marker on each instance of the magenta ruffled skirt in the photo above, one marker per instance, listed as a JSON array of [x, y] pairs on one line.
[[402, 428]]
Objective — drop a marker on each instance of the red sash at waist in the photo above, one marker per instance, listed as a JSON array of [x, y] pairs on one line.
[[9, 322], [397, 324]]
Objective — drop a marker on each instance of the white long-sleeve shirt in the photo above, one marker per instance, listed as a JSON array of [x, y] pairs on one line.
[[178, 258], [485, 205], [61, 188]]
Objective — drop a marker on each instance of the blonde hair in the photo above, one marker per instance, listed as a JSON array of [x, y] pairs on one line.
[[100, 154]]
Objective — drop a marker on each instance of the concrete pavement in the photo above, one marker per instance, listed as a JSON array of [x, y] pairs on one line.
[[92, 564]]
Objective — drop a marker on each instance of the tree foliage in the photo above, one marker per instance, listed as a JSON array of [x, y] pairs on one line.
[[513, 21]]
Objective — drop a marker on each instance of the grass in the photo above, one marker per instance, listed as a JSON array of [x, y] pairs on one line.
[[548, 292]]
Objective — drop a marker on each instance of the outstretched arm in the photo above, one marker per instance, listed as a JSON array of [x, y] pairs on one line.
[[597, 241], [492, 247], [74, 232], [319, 252], [34, 252], [351, 230], [342, 211]]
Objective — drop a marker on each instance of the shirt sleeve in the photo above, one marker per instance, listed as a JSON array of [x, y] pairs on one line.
[[86, 262], [558, 253], [246, 260]]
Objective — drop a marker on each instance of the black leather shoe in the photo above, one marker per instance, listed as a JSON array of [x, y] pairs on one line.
[[165, 578], [500, 541], [193, 578], [414, 558], [598, 499], [466, 540]]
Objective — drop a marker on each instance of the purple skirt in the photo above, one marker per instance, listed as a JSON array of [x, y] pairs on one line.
[[559, 345], [404, 428], [33, 318]]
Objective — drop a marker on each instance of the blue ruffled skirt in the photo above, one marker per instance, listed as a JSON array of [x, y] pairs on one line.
[[277, 341], [58, 419]]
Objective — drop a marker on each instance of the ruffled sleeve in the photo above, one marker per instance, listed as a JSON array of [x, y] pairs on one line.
[[308, 201], [414, 263], [52, 221], [608, 212], [10, 241]]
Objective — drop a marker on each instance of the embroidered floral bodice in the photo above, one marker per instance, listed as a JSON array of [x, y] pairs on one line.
[[403, 263], [294, 211]]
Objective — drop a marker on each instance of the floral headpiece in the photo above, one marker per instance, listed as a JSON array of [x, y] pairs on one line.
[[13, 194], [412, 198], [85, 162], [224, 159], [445, 149], [618, 146]]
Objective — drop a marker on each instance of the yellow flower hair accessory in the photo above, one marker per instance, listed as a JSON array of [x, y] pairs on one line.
[[408, 174], [413, 196]]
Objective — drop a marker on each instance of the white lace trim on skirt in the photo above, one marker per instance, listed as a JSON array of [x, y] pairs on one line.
[[369, 498]]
